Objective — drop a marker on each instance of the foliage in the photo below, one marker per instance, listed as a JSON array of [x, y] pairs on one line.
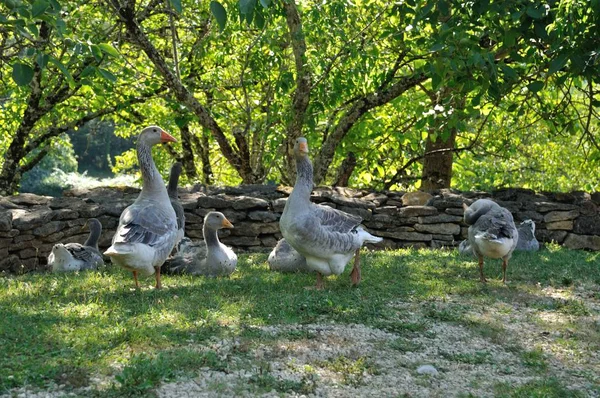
[[510, 85]]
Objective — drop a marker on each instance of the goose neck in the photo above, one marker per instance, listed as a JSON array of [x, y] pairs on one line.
[[152, 182], [304, 179], [92, 240], [210, 236]]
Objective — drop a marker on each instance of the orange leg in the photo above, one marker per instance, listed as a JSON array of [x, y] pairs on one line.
[[320, 285], [504, 265], [137, 284], [158, 285], [355, 274], [481, 277]]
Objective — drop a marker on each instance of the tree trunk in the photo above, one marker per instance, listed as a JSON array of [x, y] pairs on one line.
[[345, 170], [202, 148], [187, 157], [437, 167]]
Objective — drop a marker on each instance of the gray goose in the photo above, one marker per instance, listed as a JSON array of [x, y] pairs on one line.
[[492, 233], [208, 258], [284, 258], [148, 228], [174, 197], [326, 237], [75, 256]]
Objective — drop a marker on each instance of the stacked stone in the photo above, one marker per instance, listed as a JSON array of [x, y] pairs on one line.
[[30, 225]]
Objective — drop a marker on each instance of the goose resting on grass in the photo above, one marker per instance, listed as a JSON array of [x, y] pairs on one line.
[[148, 228], [492, 233], [326, 237], [209, 258], [75, 256], [285, 258], [174, 197]]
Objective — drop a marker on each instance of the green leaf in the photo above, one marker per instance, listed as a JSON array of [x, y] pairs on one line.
[[90, 69], [109, 49], [96, 51], [536, 13], [247, 6], [265, 3], [62, 68], [107, 75], [42, 60], [176, 4], [22, 73], [436, 47], [558, 63], [535, 86], [259, 20], [38, 8], [219, 13]]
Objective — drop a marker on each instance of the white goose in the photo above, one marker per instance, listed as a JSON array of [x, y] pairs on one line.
[[209, 258], [326, 237], [75, 256], [492, 233], [148, 228], [174, 197]]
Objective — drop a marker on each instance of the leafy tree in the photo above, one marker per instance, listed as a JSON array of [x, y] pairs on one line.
[[62, 71]]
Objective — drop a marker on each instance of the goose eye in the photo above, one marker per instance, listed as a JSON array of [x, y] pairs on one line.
[[154, 130]]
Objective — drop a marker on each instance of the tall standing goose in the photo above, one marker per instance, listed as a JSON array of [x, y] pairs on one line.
[[174, 197], [492, 233], [326, 237], [148, 228], [75, 256], [209, 258]]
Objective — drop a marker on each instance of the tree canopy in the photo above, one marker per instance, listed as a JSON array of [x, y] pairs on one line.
[[391, 95]]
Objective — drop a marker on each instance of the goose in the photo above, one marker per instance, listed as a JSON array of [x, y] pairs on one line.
[[492, 233], [209, 258], [326, 237], [174, 197], [285, 258], [75, 256], [148, 228], [527, 240]]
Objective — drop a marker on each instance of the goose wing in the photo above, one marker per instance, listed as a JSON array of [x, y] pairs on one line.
[[334, 220], [145, 223]]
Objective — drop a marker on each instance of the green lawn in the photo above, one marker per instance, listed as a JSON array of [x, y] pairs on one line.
[[94, 329]]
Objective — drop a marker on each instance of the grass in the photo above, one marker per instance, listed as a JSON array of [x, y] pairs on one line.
[[68, 329]]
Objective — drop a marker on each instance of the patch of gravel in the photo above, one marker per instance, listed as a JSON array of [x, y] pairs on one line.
[[473, 353]]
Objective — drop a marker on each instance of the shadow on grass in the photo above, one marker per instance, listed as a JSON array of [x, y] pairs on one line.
[[86, 324]]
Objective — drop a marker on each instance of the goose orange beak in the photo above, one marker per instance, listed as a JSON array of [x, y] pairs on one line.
[[226, 223], [303, 147], [166, 137]]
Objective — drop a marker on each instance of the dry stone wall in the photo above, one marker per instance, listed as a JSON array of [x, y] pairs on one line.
[[30, 225]]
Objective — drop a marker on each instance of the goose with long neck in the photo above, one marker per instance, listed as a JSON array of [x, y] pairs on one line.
[[75, 256], [492, 233], [208, 258], [326, 237], [148, 228], [174, 197]]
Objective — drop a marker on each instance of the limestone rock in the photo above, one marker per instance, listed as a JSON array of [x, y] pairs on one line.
[[444, 228], [590, 242], [554, 216], [566, 225], [416, 198], [25, 220], [5, 221], [587, 225], [413, 211]]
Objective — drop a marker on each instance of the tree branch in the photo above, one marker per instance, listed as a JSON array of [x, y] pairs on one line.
[[363, 105]]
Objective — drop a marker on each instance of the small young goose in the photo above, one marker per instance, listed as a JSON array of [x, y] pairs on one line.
[[326, 237], [174, 196], [148, 228], [492, 233], [209, 258], [527, 240], [284, 258], [75, 256]]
